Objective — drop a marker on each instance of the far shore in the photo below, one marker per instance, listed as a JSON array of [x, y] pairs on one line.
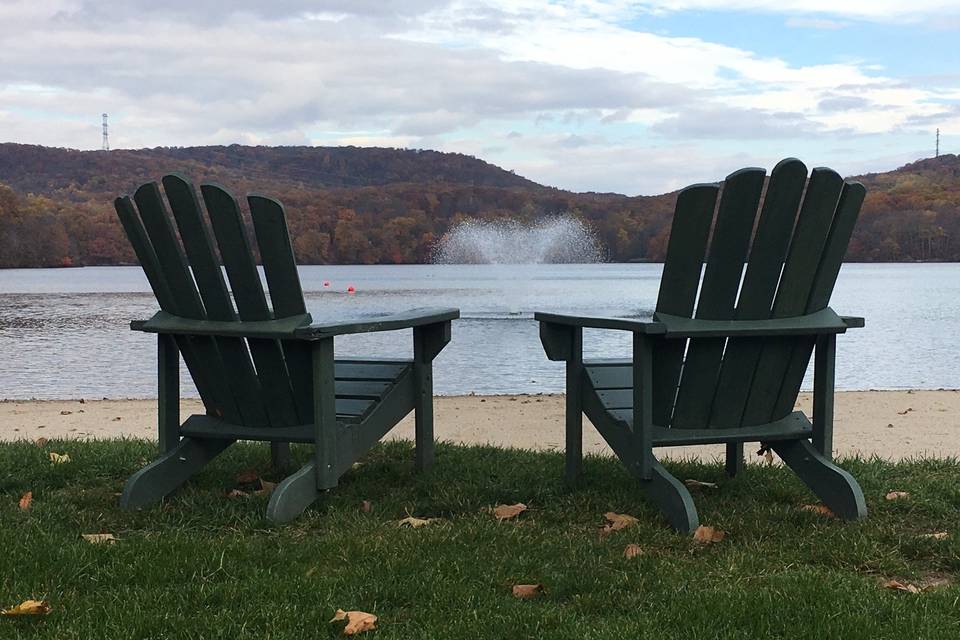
[[892, 425]]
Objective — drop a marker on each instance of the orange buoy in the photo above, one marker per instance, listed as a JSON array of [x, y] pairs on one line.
[[351, 289]]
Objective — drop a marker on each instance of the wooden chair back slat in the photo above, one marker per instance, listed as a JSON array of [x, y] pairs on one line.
[[286, 293], [799, 270], [736, 215], [205, 265], [251, 303], [678, 287], [767, 254]]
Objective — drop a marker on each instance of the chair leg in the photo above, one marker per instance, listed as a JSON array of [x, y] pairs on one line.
[[734, 458], [280, 459], [423, 418], [169, 471], [837, 488], [294, 494], [672, 498]]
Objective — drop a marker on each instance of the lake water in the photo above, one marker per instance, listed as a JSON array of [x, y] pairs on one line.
[[64, 332]]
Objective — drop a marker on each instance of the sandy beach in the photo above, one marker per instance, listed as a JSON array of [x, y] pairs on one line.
[[889, 424]]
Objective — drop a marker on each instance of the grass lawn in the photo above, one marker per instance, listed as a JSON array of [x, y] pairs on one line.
[[203, 565]]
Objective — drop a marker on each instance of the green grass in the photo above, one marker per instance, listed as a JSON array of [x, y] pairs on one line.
[[206, 566]]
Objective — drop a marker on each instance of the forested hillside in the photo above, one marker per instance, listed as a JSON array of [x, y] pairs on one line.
[[363, 205]]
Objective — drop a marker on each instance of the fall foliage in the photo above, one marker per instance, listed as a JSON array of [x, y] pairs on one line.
[[389, 206]]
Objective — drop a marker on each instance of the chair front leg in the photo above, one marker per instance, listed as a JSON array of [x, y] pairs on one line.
[[324, 414], [643, 403], [168, 392], [428, 341], [824, 369]]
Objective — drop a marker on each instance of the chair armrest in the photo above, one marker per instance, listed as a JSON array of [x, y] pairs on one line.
[[825, 321], [669, 327], [391, 322], [595, 322], [167, 323]]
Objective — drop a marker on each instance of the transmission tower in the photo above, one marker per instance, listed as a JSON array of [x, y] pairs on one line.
[[106, 140]]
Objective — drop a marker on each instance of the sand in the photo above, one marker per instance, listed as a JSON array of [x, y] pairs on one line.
[[890, 424]]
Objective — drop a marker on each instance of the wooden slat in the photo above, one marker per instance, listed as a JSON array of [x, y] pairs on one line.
[[718, 295], [678, 287], [616, 398], [792, 426], [360, 388], [207, 370], [251, 303], [612, 376], [793, 294], [368, 370], [848, 210], [205, 266], [767, 254], [286, 294]]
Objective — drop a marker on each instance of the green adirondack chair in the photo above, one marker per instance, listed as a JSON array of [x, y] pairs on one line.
[[265, 374], [721, 362]]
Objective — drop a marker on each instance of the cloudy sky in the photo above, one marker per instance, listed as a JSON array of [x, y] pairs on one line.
[[634, 97]]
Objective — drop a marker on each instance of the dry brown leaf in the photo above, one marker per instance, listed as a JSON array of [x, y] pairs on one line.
[[616, 521], [366, 506], [937, 535], [897, 495], [28, 608], [59, 458], [698, 484], [41, 442], [508, 511], [905, 411], [708, 535], [768, 456], [237, 493], [900, 586], [356, 621], [527, 591], [821, 509], [65, 412], [416, 523], [266, 488], [25, 501], [247, 477], [632, 550], [99, 538]]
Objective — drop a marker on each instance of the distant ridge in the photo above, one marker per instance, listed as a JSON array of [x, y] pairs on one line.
[[380, 205]]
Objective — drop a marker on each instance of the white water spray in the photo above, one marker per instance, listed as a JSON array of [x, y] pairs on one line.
[[563, 239]]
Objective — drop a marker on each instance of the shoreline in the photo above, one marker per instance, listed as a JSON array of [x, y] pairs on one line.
[[892, 425]]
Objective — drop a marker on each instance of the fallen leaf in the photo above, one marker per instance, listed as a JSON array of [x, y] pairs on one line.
[[366, 506], [708, 535], [247, 477], [117, 419], [266, 488], [416, 523], [508, 511], [697, 484], [527, 591], [897, 495], [632, 550], [25, 501], [237, 493], [41, 442], [65, 412], [821, 509], [59, 458], [28, 608], [900, 586], [938, 535], [768, 456], [905, 411], [616, 521], [99, 538], [356, 621]]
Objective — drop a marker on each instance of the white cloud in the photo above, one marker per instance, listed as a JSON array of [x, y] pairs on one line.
[[591, 102]]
